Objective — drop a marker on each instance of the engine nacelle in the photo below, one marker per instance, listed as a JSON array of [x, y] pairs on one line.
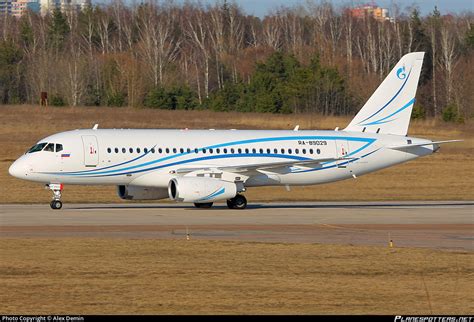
[[141, 193], [200, 189]]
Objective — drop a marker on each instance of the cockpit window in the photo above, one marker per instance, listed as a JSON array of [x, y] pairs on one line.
[[59, 147], [37, 147], [49, 147]]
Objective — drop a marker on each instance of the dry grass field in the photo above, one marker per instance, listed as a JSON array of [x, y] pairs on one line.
[[116, 276], [444, 176], [151, 276]]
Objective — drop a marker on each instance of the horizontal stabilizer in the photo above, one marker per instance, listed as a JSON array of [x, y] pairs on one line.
[[407, 146]]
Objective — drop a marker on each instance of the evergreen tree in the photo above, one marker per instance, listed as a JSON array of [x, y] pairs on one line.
[[421, 42], [10, 57], [469, 38], [58, 29], [26, 32]]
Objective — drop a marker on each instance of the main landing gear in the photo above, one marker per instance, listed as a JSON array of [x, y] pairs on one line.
[[238, 202], [56, 203]]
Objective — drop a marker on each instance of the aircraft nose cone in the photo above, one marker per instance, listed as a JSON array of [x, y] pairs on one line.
[[18, 169]]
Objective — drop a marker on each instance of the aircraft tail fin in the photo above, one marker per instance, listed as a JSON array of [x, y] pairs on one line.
[[389, 108]]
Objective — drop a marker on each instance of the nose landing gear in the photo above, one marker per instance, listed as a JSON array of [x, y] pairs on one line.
[[56, 203]]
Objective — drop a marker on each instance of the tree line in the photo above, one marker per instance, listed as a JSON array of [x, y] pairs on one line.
[[159, 54]]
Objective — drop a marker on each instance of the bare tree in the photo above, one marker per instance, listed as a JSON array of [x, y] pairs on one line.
[[272, 31], [159, 41], [433, 28], [198, 32], [448, 55], [216, 30], [103, 29], [348, 28]]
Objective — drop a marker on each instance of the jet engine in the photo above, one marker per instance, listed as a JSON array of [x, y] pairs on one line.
[[141, 193], [200, 189]]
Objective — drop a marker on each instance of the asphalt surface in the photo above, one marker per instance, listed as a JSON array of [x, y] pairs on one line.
[[442, 225]]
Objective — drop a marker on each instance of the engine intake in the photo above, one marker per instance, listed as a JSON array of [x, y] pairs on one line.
[[200, 189]]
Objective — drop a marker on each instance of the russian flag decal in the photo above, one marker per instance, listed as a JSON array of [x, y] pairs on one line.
[[65, 155]]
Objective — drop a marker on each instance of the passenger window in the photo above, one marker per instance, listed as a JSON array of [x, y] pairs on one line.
[[254, 151], [49, 147], [218, 151], [152, 150], [160, 150], [318, 151], [297, 151], [239, 150], [196, 150], [282, 151], [304, 151], [210, 151], [225, 151], [145, 150], [232, 150], [130, 150], [181, 150], [124, 150], [203, 150], [109, 150], [311, 151], [138, 150], [167, 150], [289, 151], [188, 150], [268, 151], [59, 147], [116, 150], [246, 150], [174, 150], [275, 151]]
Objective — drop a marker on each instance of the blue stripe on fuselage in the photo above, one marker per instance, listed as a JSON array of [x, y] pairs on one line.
[[123, 171]]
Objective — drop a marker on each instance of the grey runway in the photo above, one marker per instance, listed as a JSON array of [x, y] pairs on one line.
[[444, 225]]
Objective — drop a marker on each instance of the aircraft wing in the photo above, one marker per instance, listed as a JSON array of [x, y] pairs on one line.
[[245, 168]]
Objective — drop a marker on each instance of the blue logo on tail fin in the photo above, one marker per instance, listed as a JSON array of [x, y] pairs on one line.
[[401, 73]]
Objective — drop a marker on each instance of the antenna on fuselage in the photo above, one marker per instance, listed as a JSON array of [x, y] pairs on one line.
[[96, 126], [296, 128]]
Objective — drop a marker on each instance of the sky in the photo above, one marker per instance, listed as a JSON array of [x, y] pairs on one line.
[[261, 7]]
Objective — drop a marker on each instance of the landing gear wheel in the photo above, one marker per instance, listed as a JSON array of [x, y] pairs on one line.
[[238, 202], [203, 205], [56, 188], [56, 204]]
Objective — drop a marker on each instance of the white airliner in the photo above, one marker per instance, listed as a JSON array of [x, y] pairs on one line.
[[204, 166]]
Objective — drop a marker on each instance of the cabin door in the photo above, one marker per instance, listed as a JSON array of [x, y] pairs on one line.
[[342, 151], [91, 150]]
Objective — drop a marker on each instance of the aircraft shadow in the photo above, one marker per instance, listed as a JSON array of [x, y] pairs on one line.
[[272, 206]]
